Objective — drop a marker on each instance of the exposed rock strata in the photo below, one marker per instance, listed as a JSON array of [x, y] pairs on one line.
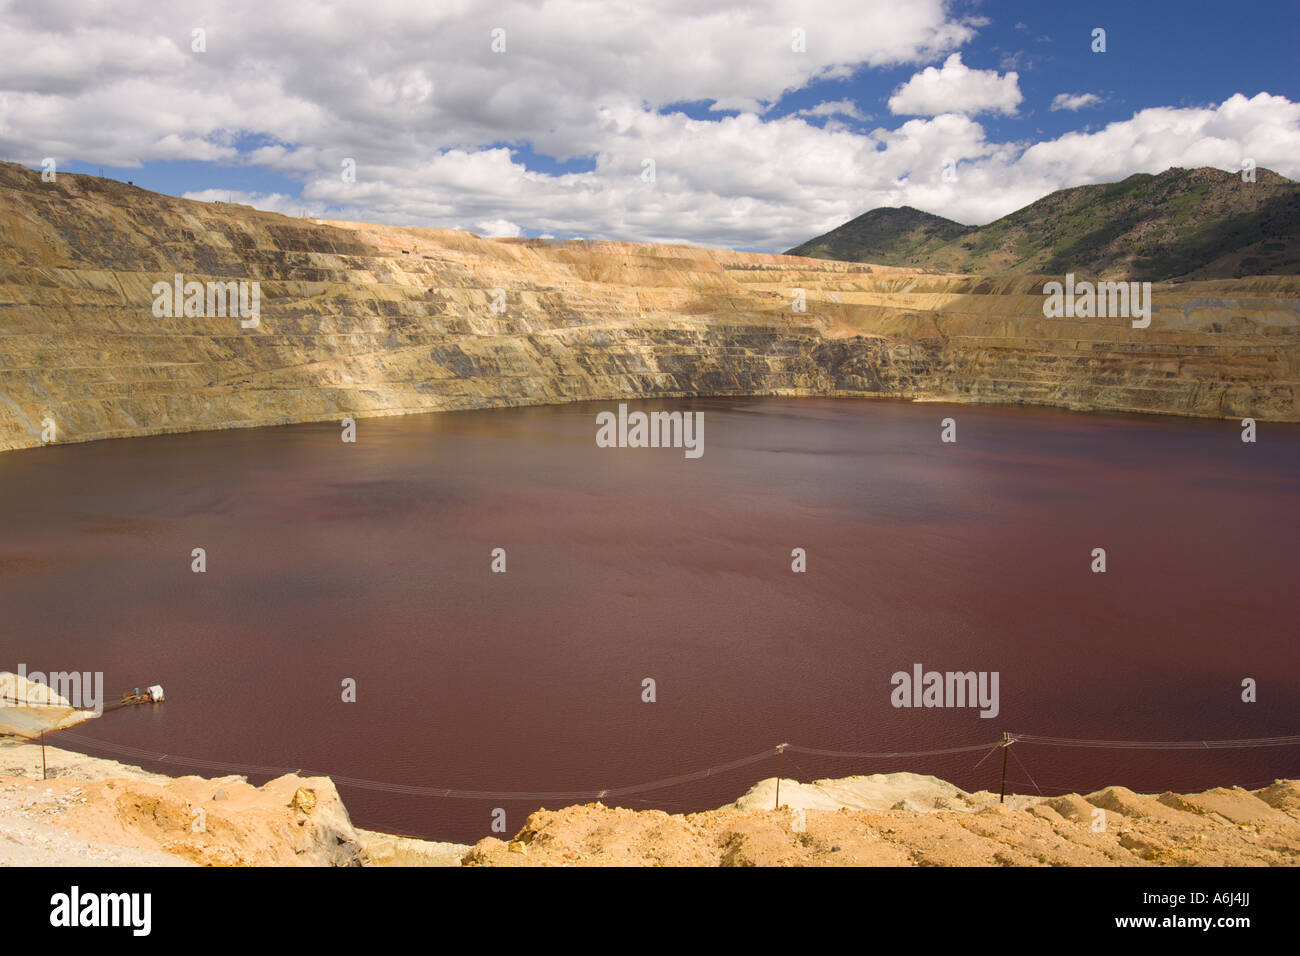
[[367, 320]]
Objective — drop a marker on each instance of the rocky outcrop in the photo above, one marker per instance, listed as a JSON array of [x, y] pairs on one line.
[[359, 320]]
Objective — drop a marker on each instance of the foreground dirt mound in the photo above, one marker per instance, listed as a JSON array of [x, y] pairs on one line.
[[93, 811], [936, 825], [290, 821]]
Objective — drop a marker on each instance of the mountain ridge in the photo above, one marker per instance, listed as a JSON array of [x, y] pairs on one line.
[[1180, 224]]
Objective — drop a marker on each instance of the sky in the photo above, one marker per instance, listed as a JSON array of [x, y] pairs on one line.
[[739, 125]]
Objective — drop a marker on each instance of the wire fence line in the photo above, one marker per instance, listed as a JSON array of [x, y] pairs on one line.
[[553, 796], [1160, 744]]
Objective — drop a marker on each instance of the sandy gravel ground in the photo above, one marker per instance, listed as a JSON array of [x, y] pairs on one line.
[[911, 820], [30, 834], [99, 812], [122, 814]]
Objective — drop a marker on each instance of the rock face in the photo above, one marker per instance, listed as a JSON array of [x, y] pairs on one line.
[[359, 320]]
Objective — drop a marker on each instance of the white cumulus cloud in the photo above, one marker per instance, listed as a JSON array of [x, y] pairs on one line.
[[441, 128], [835, 108], [1074, 101], [493, 228], [956, 88]]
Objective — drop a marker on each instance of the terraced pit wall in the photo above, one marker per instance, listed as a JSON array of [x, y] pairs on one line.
[[360, 320]]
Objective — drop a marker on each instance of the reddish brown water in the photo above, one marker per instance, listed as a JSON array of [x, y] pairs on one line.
[[371, 561]]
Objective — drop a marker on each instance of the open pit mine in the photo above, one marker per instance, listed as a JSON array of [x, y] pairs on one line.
[[356, 320]]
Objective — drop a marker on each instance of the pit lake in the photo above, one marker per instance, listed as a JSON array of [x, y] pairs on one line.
[[371, 562]]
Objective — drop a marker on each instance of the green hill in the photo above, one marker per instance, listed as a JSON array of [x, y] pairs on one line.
[[1182, 223], [890, 236]]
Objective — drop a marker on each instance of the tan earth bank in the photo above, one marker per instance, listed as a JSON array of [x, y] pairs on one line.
[[98, 812], [30, 708], [358, 320]]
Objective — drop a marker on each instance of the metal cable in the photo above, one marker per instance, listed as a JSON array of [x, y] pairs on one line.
[[556, 796], [1160, 744], [890, 754]]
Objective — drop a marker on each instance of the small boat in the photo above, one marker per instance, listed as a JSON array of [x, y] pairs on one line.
[[150, 695]]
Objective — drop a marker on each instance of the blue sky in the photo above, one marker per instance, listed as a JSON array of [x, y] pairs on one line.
[[752, 144], [1158, 54]]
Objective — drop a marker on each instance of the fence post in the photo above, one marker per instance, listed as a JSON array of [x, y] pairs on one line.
[[780, 750], [1006, 742]]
